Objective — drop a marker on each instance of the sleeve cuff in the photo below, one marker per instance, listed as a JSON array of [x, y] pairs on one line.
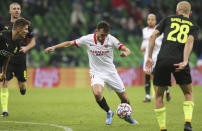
[[120, 46], [76, 44]]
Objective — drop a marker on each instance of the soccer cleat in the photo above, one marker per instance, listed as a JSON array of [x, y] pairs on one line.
[[4, 114], [146, 100], [22, 91], [168, 97], [187, 126], [131, 120], [110, 114]]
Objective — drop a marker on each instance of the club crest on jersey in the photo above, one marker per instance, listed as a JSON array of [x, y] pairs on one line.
[[119, 44], [106, 46]]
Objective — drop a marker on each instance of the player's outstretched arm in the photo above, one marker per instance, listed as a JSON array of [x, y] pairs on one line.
[[65, 44], [187, 50], [32, 43], [124, 51]]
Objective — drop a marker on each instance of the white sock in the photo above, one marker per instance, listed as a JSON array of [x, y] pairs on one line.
[[148, 96]]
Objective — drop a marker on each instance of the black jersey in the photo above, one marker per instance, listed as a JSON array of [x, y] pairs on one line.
[[8, 47], [18, 57], [176, 30]]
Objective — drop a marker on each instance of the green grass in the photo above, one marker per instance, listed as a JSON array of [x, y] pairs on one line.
[[76, 108]]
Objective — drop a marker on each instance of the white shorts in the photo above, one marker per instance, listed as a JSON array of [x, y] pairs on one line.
[[113, 81]]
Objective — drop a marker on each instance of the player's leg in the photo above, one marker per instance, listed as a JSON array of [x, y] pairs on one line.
[[115, 83], [21, 75], [162, 77], [4, 99], [124, 99], [183, 78], [160, 110], [22, 86], [188, 106], [147, 88], [97, 84], [97, 91], [4, 91]]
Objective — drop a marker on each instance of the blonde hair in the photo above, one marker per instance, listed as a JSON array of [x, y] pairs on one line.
[[184, 7]]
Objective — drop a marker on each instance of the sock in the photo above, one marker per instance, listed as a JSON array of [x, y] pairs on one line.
[[161, 117], [4, 99], [148, 96], [103, 104], [147, 84], [152, 89], [188, 107]]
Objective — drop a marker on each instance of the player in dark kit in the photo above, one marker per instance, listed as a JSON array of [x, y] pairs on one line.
[[9, 45], [17, 64], [179, 35]]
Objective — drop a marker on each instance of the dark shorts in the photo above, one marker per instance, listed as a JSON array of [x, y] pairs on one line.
[[17, 70], [163, 70]]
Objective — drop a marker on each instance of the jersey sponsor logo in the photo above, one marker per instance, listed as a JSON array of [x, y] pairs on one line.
[[5, 53], [99, 53]]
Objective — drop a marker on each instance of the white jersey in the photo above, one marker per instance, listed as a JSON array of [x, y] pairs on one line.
[[100, 54], [147, 32]]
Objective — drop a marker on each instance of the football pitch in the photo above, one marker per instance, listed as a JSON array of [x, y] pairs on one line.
[[65, 109]]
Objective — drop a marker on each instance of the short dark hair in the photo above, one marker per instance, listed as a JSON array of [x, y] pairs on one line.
[[103, 25], [21, 22]]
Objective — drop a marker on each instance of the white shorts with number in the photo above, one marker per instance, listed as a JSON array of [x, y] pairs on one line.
[[113, 81]]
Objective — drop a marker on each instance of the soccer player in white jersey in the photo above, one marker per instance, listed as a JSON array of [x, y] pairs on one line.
[[100, 47], [147, 32]]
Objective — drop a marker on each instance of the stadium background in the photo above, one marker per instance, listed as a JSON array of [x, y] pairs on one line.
[[55, 21]]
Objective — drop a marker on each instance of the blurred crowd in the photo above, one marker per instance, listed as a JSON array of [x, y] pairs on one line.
[[127, 18]]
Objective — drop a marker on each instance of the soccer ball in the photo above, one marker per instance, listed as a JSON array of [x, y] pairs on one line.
[[124, 111]]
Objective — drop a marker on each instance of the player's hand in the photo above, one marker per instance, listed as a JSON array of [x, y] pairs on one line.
[[24, 49], [148, 65], [123, 54], [49, 49], [180, 66]]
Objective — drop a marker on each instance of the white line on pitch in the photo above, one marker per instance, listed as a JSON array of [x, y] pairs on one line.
[[45, 124]]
